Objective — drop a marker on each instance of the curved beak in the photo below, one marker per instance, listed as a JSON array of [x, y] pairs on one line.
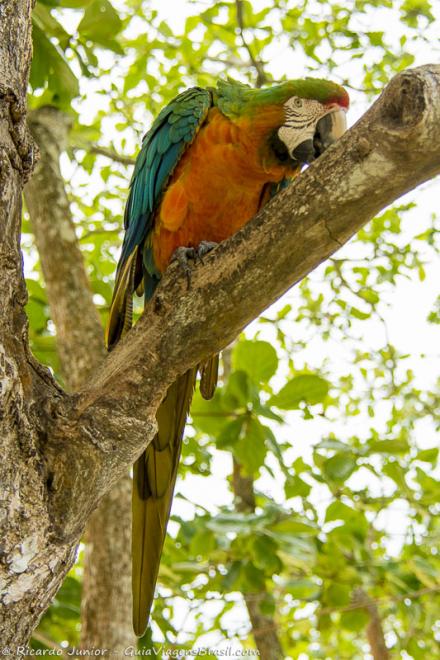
[[328, 129]]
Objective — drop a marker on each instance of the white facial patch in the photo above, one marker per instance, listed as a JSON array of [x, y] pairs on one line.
[[302, 116]]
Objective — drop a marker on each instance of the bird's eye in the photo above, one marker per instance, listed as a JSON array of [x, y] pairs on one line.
[[298, 103]]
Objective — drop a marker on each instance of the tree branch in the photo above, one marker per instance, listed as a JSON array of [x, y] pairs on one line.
[[79, 333], [257, 64], [28, 560], [96, 435], [108, 153]]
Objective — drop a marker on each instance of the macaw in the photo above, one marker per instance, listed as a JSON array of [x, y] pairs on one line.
[[209, 162]]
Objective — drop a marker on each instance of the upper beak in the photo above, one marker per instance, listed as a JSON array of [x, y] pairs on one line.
[[328, 129]]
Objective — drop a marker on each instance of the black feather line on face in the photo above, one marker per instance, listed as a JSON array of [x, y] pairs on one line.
[[280, 150]]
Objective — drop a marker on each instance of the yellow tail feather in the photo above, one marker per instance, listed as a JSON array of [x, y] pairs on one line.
[[121, 309], [154, 478]]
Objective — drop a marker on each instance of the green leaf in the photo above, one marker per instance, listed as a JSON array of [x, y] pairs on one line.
[[265, 411], [74, 4], [339, 467], [37, 315], [251, 449], [394, 471], [308, 388], [193, 567], [295, 486], [369, 295], [203, 542], [49, 25], [228, 436], [264, 555], [237, 392], [425, 571], [100, 24], [355, 620], [294, 527], [257, 358], [233, 522], [191, 23], [230, 580], [395, 446], [428, 455], [252, 578], [337, 594], [333, 443], [303, 589], [355, 525], [209, 416], [359, 314], [339, 511], [50, 67]]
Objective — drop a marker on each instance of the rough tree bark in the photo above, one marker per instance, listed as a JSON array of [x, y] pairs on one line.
[[81, 350], [62, 452], [27, 555]]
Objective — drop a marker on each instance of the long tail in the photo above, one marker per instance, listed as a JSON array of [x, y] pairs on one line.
[[155, 471], [154, 478]]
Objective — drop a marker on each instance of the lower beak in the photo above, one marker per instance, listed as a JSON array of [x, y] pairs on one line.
[[304, 152], [329, 129]]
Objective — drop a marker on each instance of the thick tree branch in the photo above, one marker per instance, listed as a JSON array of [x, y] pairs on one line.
[[16, 155], [391, 150], [81, 347], [28, 561]]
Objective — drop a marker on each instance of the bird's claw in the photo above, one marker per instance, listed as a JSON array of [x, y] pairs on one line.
[[204, 248], [184, 254]]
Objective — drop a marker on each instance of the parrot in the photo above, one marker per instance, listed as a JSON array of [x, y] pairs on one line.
[[211, 159]]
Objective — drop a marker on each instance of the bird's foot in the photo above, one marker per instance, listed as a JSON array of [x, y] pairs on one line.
[[183, 255]]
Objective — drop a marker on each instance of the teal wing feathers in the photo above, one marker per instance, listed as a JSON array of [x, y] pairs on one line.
[[163, 146]]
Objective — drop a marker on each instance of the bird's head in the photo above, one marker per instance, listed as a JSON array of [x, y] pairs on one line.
[[314, 118], [298, 119]]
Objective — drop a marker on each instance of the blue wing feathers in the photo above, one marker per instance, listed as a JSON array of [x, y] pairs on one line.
[[167, 164], [162, 147]]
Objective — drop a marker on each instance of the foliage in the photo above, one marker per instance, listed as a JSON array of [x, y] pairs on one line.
[[329, 416]]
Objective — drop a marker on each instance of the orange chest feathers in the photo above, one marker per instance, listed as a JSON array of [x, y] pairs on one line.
[[217, 186]]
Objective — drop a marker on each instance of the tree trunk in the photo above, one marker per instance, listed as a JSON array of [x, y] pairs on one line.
[[106, 599], [106, 616], [62, 452], [375, 634], [30, 564], [264, 627]]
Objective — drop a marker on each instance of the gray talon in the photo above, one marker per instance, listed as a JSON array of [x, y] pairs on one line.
[[204, 248], [183, 254]]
